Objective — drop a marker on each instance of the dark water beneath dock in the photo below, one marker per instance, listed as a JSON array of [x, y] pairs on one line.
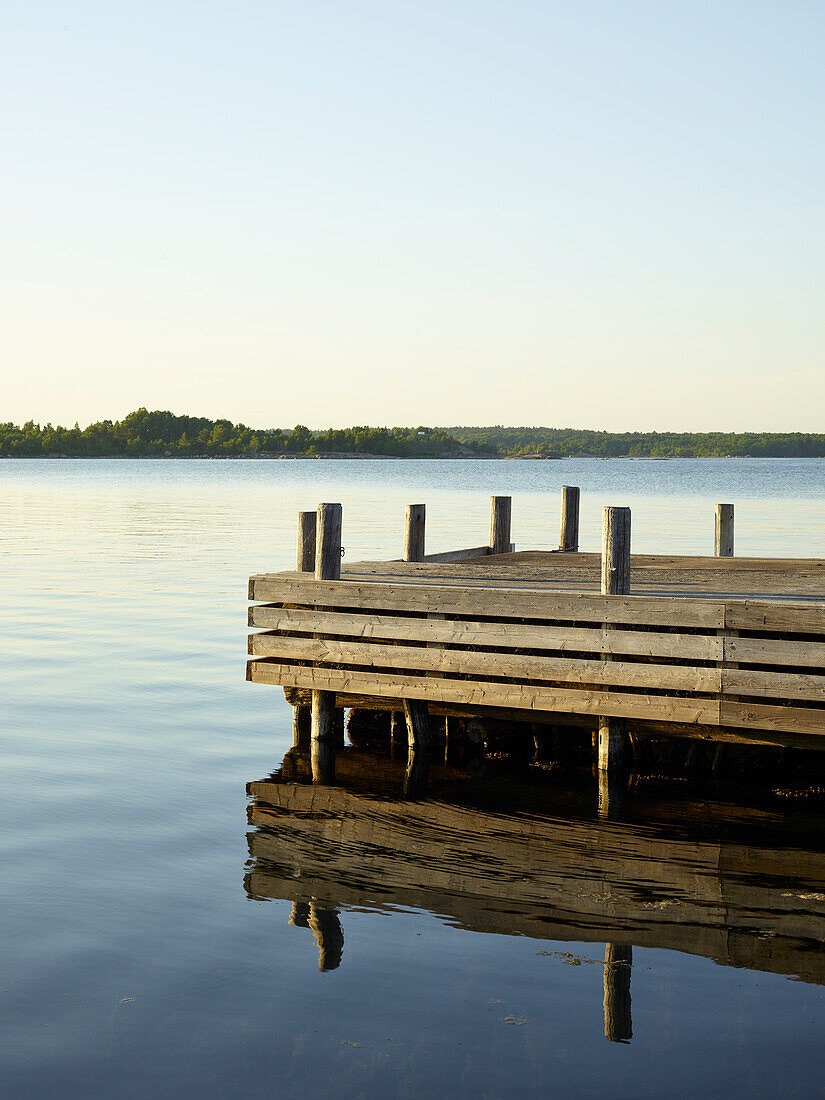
[[146, 940]]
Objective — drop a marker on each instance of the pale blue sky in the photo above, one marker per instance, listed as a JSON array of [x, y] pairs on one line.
[[595, 214]]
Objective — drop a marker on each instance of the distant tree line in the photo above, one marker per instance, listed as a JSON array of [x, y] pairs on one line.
[[564, 442], [144, 434]]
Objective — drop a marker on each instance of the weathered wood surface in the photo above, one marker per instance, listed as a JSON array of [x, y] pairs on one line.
[[307, 524], [569, 535], [500, 512], [723, 531], [460, 635], [414, 530], [665, 575], [542, 876]]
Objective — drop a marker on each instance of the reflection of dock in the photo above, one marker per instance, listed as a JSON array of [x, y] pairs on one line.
[[557, 878]]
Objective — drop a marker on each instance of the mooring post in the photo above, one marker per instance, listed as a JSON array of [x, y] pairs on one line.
[[615, 582], [414, 532], [306, 542], [569, 539], [723, 542], [618, 1023], [327, 719], [500, 508]]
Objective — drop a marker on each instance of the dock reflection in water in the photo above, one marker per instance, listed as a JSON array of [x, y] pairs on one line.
[[513, 855]]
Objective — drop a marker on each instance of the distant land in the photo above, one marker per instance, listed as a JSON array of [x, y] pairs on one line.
[[162, 434]]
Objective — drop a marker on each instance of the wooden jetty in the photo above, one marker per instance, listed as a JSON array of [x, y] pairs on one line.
[[744, 888], [719, 648]]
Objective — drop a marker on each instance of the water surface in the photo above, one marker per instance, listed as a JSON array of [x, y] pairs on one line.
[[137, 960]]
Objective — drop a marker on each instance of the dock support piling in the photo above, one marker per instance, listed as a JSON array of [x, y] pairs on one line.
[[569, 539], [306, 542], [723, 541], [301, 724], [612, 742], [327, 719], [618, 1023], [414, 532], [500, 509]]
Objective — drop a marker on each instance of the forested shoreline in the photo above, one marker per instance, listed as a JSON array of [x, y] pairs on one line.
[[159, 434]]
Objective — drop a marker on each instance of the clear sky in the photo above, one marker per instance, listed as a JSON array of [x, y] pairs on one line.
[[590, 214]]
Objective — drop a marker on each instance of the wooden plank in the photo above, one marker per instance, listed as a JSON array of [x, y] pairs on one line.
[[514, 666], [774, 685], [774, 651], [654, 611], [471, 693], [458, 555], [765, 716], [641, 643], [779, 618]]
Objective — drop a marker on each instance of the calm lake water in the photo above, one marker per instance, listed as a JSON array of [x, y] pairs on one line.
[[147, 948]]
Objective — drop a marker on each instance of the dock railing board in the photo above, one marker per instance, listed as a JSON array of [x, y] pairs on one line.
[[710, 643]]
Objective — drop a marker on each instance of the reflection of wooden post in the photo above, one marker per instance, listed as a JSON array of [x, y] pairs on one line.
[[500, 508], [414, 532], [327, 720], [723, 541], [419, 748], [326, 928], [615, 582], [306, 542], [299, 917], [618, 1024], [569, 518]]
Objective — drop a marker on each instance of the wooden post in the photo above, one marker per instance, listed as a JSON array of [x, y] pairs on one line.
[[306, 542], [500, 525], [414, 532], [723, 543], [612, 731], [324, 731], [616, 552], [569, 518], [327, 719], [618, 1023], [328, 554]]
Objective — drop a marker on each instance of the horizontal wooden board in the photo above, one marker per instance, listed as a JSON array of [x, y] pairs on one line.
[[765, 716], [458, 555], [774, 651], [774, 685], [654, 611], [776, 617], [708, 647], [515, 667], [470, 693]]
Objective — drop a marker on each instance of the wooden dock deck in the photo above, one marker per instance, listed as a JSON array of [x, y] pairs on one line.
[[719, 648], [724, 643]]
